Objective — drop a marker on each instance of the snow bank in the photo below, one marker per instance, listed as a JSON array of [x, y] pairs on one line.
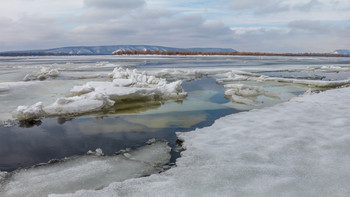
[[43, 74], [85, 172], [127, 85], [297, 148]]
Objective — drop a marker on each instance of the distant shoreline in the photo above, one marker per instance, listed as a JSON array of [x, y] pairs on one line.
[[174, 53], [236, 53]]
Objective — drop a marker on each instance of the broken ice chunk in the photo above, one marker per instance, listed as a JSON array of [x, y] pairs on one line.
[[78, 90], [42, 75], [128, 85], [97, 152], [246, 94], [79, 104], [85, 172], [29, 112], [2, 175]]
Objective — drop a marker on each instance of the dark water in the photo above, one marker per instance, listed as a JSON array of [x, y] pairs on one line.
[[30, 143]]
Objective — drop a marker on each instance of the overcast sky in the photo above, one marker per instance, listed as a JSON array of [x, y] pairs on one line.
[[245, 25]]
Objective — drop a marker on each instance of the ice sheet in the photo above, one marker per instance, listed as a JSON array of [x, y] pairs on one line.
[[91, 171], [297, 148]]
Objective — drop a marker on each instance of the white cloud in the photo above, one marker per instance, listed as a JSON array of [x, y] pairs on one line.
[[251, 25], [115, 4]]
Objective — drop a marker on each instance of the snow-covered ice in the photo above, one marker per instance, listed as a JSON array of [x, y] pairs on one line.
[[181, 73], [297, 148], [246, 94], [92, 171], [97, 95], [334, 68], [234, 76]]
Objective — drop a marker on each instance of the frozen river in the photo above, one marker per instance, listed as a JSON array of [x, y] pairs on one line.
[[57, 107]]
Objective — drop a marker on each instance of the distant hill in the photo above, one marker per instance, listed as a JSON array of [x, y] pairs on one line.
[[108, 50], [342, 51]]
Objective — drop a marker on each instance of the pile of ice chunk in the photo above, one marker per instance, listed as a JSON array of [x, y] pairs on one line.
[[43, 74], [127, 85], [133, 85], [92, 171], [297, 148]]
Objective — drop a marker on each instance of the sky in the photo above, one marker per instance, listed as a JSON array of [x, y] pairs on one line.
[[296, 26]]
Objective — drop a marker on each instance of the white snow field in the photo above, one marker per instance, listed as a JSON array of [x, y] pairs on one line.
[[93, 171], [297, 148]]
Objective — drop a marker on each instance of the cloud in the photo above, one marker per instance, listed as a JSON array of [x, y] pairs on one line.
[[159, 29], [313, 27], [297, 36], [114, 4], [250, 25], [308, 6], [101, 10], [268, 7]]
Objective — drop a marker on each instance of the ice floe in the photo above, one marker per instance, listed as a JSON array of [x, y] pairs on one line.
[[127, 85], [233, 76], [297, 148], [246, 94], [181, 73], [91, 171]]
